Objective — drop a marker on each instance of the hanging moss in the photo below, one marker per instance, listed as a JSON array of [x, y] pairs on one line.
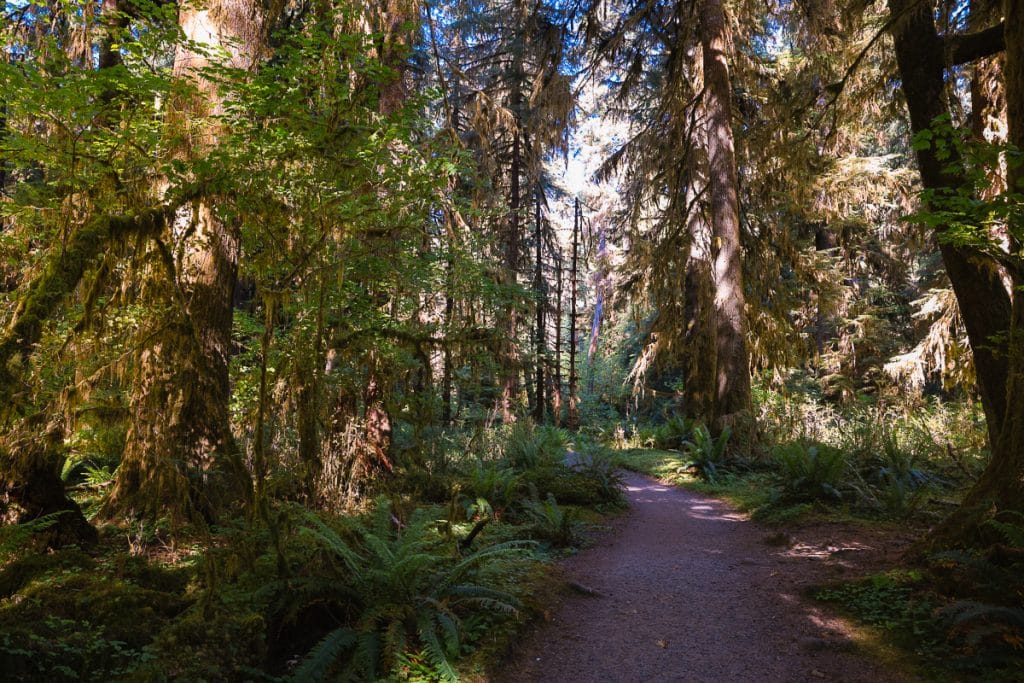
[[61, 276]]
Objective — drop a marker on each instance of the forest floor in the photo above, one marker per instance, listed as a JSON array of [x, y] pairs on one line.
[[684, 588]]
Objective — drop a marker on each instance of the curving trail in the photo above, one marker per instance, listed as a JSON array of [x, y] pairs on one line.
[[688, 590]]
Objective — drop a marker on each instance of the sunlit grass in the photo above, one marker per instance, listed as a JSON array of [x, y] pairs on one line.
[[754, 492]]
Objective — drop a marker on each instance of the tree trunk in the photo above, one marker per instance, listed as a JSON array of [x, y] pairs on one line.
[[308, 391], [574, 407], [446, 377], [988, 100], [510, 384], [31, 487], [977, 282], [994, 319], [378, 420], [824, 240], [180, 448], [595, 323], [698, 311], [113, 23], [30, 466], [732, 390], [556, 389], [538, 288], [1002, 483], [179, 438]]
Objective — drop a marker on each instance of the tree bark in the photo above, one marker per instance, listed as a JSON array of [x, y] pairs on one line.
[[824, 240], [976, 279], [1001, 485], [538, 288], [31, 487], [378, 420], [30, 482], [574, 408], [446, 376], [732, 371], [180, 451], [699, 319], [994, 318], [556, 389], [595, 324], [30, 466], [510, 384]]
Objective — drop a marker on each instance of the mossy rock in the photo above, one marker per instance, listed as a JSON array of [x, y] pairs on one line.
[[127, 612], [567, 486], [66, 617], [21, 571]]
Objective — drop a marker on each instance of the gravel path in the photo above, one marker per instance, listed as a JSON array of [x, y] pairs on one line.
[[686, 589]]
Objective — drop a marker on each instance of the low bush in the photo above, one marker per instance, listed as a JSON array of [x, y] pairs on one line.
[[674, 432], [810, 471], [706, 453], [550, 522], [408, 590]]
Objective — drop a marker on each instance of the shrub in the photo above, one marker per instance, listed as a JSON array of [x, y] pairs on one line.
[[810, 472], [674, 433], [548, 521], [528, 446], [494, 482], [706, 453], [407, 592]]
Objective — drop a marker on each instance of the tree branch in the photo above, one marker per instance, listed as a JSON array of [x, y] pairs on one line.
[[969, 47]]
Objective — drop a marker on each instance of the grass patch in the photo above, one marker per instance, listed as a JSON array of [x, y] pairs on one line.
[[667, 466], [761, 489], [754, 492]]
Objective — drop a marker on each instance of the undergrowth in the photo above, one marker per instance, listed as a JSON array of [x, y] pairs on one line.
[[429, 584]]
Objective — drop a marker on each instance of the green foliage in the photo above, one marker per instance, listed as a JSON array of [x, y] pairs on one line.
[[1010, 527], [407, 591], [962, 614], [548, 521], [706, 453], [978, 622], [964, 213], [528, 446], [986, 620], [71, 619], [888, 601], [494, 482], [897, 454], [669, 466], [15, 537], [595, 469], [810, 471], [67, 650], [675, 432]]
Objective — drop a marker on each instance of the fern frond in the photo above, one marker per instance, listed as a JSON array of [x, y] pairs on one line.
[[334, 543], [1011, 531], [968, 611], [324, 657], [450, 630], [434, 649], [366, 659]]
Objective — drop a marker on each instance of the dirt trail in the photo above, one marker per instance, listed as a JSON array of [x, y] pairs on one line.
[[689, 590]]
